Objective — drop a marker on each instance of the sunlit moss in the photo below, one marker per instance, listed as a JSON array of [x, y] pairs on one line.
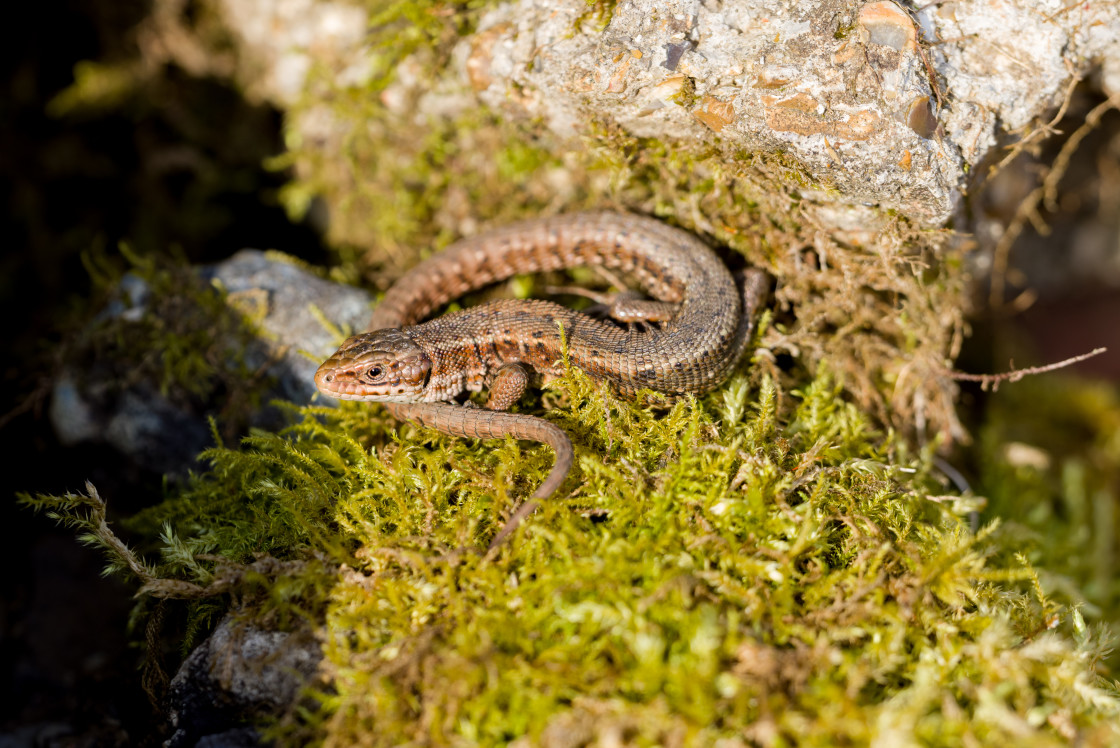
[[753, 564], [770, 564], [97, 87]]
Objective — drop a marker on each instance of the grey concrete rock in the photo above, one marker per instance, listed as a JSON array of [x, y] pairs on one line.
[[139, 422], [288, 295], [238, 672], [846, 90], [163, 435]]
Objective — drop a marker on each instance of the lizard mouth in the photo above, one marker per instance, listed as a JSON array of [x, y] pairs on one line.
[[341, 384], [352, 384], [360, 381], [383, 365]]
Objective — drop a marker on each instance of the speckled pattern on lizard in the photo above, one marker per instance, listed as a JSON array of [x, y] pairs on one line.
[[692, 332]]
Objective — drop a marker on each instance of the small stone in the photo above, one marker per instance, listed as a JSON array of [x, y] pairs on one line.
[[714, 113], [889, 25], [291, 307], [238, 670], [921, 119], [673, 54]]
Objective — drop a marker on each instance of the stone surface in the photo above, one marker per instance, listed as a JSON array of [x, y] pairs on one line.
[[847, 93], [239, 670], [282, 297], [165, 436], [832, 90], [843, 90]]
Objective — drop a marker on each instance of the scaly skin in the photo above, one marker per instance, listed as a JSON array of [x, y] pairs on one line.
[[415, 369]]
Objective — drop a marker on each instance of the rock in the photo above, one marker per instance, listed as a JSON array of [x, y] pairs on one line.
[[847, 93], [238, 672], [881, 105], [239, 737], [282, 297], [164, 433]]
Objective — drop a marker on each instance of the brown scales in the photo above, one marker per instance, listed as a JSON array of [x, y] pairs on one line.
[[506, 345]]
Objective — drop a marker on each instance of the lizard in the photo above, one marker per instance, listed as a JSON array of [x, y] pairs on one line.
[[696, 327]]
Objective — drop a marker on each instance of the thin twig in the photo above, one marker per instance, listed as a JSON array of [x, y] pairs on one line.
[[1061, 162], [1072, 6], [1045, 130], [992, 381], [1047, 190]]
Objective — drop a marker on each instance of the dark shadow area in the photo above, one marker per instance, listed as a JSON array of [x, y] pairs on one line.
[[175, 165], [1062, 287]]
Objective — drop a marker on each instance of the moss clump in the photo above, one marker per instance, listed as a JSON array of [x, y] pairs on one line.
[[773, 577], [397, 182], [597, 16], [756, 565], [1049, 461], [166, 327]]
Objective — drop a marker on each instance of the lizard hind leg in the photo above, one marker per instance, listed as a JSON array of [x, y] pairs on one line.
[[625, 307], [630, 307]]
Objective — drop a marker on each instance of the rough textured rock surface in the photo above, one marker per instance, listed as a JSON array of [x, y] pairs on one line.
[[845, 95], [843, 91], [166, 436], [236, 671]]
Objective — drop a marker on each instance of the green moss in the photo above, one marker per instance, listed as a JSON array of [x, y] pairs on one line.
[[843, 30], [597, 16], [755, 564], [686, 96], [386, 195], [172, 330], [97, 87], [390, 171], [1049, 459], [401, 28]]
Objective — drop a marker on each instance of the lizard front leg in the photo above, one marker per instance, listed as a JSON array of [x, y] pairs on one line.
[[508, 386]]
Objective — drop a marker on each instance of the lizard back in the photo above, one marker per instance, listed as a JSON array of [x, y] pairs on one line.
[[691, 353]]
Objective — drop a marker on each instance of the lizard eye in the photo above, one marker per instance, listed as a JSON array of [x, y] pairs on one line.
[[374, 373]]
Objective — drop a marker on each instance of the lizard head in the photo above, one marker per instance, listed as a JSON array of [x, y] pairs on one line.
[[384, 365]]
